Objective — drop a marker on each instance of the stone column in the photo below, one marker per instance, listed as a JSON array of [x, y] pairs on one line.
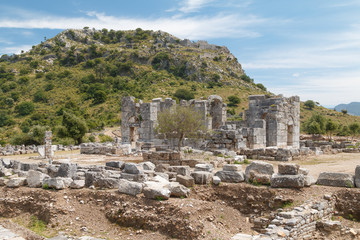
[[48, 150]]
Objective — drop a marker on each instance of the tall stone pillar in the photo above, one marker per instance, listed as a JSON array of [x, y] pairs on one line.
[[48, 149]]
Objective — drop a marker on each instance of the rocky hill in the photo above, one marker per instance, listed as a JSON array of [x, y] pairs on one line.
[[352, 108], [86, 72]]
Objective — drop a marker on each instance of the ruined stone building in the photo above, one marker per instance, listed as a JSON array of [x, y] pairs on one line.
[[269, 122]]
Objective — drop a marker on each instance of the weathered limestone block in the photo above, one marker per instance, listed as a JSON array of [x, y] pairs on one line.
[[259, 167], [16, 182], [329, 225], [178, 190], [132, 168], [230, 176], [107, 183], [259, 178], [335, 179], [204, 167], [148, 166], [3, 181], [28, 166], [77, 184], [304, 171], [187, 181], [163, 175], [216, 180], [115, 164], [287, 181], [4, 172], [35, 179], [92, 177], [134, 177], [52, 170], [201, 177], [156, 190], [357, 176], [180, 170], [232, 167], [309, 180], [129, 187], [56, 183], [162, 167], [288, 169], [67, 170]]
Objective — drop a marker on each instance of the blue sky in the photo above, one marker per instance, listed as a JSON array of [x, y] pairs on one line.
[[309, 48]]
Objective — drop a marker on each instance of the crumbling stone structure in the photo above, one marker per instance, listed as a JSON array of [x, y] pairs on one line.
[[269, 122], [138, 120]]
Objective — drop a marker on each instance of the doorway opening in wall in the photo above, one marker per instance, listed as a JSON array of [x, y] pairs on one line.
[[290, 135], [133, 137]]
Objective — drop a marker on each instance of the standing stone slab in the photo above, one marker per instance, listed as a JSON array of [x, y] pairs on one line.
[[259, 167], [287, 181], [335, 179], [288, 169], [129, 187], [230, 176]]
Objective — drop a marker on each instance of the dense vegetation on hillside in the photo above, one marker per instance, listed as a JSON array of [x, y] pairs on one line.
[[73, 83]]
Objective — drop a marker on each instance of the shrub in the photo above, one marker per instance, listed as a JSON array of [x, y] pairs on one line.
[[233, 101], [105, 138], [25, 108], [40, 96], [184, 94]]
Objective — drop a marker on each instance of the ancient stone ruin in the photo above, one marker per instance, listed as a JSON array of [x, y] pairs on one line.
[[269, 122]]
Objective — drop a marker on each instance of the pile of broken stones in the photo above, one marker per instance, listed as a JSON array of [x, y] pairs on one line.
[[161, 181]]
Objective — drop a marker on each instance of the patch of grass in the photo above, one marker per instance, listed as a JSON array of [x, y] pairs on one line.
[[38, 226], [159, 198], [287, 204], [45, 186]]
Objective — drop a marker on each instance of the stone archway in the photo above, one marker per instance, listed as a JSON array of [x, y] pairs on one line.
[[290, 132]]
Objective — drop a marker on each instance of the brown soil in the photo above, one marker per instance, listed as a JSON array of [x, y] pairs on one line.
[[210, 212]]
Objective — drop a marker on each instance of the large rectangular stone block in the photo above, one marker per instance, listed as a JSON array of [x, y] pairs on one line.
[[335, 179], [287, 181]]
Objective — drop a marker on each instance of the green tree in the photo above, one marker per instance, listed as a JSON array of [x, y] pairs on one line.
[[233, 101], [25, 108], [75, 126], [315, 125], [185, 94], [344, 111], [330, 128], [180, 122], [310, 104], [354, 129], [261, 86], [5, 119]]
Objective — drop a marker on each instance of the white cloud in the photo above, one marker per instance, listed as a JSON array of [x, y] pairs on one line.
[[15, 49], [193, 5], [199, 27], [296, 75], [328, 88]]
